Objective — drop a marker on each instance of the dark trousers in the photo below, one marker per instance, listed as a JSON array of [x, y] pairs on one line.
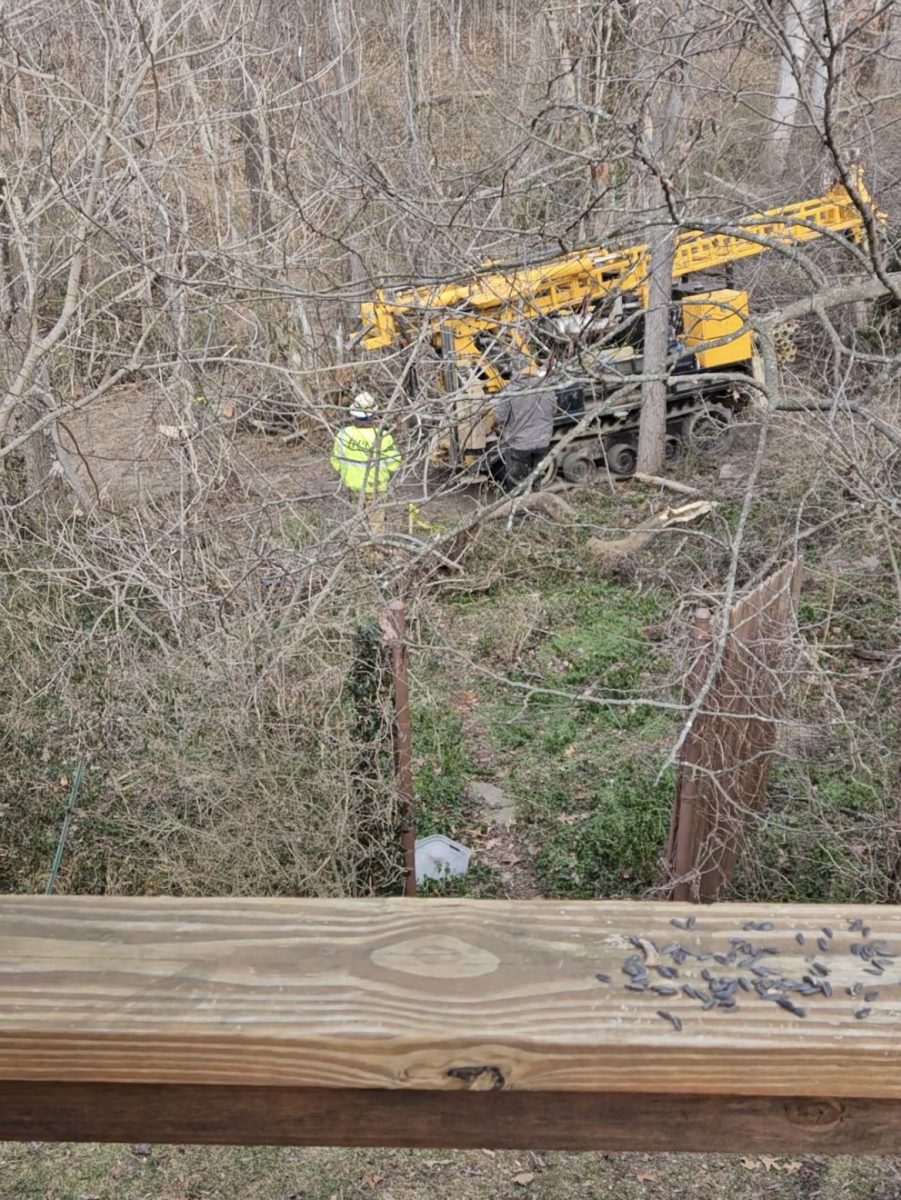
[[519, 464]]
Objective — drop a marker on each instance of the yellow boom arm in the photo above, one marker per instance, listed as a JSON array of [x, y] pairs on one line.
[[567, 283]]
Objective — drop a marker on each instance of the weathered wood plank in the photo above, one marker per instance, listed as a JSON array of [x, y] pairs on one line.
[[434, 995], [112, 1112], [726, 757]]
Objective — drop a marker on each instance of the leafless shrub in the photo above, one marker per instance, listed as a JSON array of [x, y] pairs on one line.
[[194, 200], [207, 688]]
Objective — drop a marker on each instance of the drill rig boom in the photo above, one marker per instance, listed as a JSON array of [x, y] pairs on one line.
[[566, 282], [479, 325]]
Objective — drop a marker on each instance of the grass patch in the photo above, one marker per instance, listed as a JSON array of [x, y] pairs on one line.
[[440, 764], [61, 1172], [597, 635], [584, 774], [301, 531], [481, 882], [827, 836], [612, 845]]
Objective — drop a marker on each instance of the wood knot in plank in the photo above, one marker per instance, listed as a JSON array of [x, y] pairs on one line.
[[816, 1113], [478, 1079], [436, 955]]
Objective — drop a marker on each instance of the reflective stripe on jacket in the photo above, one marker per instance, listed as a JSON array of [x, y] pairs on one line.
[[365, 458]]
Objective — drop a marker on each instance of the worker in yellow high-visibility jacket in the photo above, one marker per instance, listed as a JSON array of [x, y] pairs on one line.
[[366, 457]]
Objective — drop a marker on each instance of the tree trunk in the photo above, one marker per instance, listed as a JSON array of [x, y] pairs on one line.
[[823, 22], [652, 427], [820, 67], [579, 48], [345, 73], [788, 82], [888, 64], [413, 28], [37, 455], [664, 151], [254, 172], [38, 450], [254, 134]]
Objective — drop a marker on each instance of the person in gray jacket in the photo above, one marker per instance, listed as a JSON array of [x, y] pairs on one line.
[[524, 414]]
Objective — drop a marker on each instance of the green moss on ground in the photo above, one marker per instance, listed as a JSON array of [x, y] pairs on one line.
[[593, 806]]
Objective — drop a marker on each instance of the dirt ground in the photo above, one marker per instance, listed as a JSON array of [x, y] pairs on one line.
[[130, 447], [45, 1172]]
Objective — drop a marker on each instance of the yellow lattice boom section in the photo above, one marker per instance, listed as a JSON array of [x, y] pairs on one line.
[[569, 282]]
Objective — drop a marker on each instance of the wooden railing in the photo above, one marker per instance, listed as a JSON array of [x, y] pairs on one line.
[[451, 1023]]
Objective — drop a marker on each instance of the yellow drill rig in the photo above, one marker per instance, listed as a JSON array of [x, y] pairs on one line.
[[578, 318]]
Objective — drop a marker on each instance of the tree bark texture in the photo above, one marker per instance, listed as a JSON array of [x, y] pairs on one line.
[[787, 98], [652, 429]]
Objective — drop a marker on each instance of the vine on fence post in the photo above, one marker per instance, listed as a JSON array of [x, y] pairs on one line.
[[368, 689], [394, 624]]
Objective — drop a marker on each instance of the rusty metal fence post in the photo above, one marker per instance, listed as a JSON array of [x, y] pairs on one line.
[[395, 627], [686, 826]]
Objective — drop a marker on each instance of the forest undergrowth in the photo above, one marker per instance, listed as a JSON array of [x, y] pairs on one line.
[[209, 689]]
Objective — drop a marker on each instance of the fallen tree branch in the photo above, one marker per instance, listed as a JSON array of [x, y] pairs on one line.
[[867, 288], [892, 432], [611, 553], [544, 501], [672, 484]]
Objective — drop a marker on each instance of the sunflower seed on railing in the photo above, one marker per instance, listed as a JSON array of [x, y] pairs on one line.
[[790, 1006]]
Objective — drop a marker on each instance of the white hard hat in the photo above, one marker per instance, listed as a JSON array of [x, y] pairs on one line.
[[363, 406]]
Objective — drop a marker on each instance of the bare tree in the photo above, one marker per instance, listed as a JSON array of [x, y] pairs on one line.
[[795, 36], [661, 149]]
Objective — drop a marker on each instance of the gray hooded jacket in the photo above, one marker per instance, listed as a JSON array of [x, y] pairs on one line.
[[525, 415]]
